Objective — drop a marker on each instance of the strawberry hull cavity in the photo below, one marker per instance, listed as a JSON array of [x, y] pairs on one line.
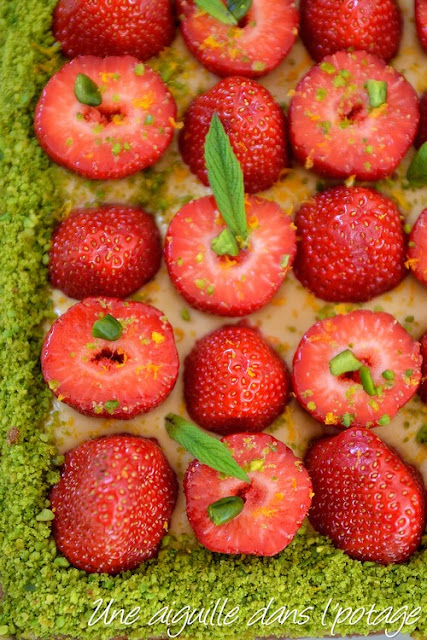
[[351, 244], [275, 502], [254, 122], [113, 28], [234, 381], [111, 250], [366, 499], [352, 115], [127, 132], [106, 377], [226, 285], [328, 26], [252, 48], [113, 503], [356, 369], [417, 248]]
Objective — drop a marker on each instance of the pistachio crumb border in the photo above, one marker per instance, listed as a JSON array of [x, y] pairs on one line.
[[42, 596]]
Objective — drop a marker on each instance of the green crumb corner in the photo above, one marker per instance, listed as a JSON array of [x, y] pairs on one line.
[[42, 596]]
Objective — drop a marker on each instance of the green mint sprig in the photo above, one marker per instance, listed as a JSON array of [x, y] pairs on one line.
[[230, 14], [226, 180], [205, 448]]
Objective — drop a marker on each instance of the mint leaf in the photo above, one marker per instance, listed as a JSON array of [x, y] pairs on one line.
[[226, 179], [377, 92], [205, 448], [216, 9], [225, 244], [239, 8], [417, 172]]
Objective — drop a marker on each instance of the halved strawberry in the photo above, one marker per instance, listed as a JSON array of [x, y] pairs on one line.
[[254, 123], [260, 41], [360, 231], [116, 378], [275, 503], [113, 27], [417, 248], [328, 26], [422, 129], [366, 499], [225, 285], [352, 115], [234, 381], [421, 21], [113, 503], [127, 132], [356, 369], [111, 250], [422, 391]]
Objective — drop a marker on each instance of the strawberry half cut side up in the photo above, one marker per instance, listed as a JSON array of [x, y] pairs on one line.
[[112, 250], [113, 503], [113, 27], [328, 26], [275, 502], [417, 248], [234, 381], [229, 285], [352, 115], [356, 369], [366, 499], [131, 369], [121, 123], [251, 47], [421, 21]]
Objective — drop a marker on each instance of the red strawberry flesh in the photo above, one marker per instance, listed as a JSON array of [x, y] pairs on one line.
[[128, 132], [257, 45], [328, 26], [366, 499], [276, 501], [113, 503], [234, 381], [224, 285], [423, 386], [417, 249], [351, 244], [378, 341], [421, 21], [111, 250], [103, 378], [113, 27], [254, 122], [336, 132], [422, 129]]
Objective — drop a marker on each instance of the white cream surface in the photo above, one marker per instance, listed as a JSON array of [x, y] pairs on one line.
[[292, 311]]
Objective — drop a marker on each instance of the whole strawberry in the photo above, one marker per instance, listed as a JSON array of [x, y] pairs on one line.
[[422, 129], [423, 386], [234, 381], [113, 503], [421, 21], [140, 28], [360, 232], [112, 250], [328, 26], [254, 123], [366, 499], [251, 45]]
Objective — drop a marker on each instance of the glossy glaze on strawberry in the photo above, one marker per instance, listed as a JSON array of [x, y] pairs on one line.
[[334, 129], [254, 123], [421, 21], [225, 285], [328, 26], [276, 500], [351, 244], [113, 503], [417, 248], [111, 379], [127, 132], [366, 499], [381, 345], [113, 28], [234, 381], [260, 41], [112, 250]]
